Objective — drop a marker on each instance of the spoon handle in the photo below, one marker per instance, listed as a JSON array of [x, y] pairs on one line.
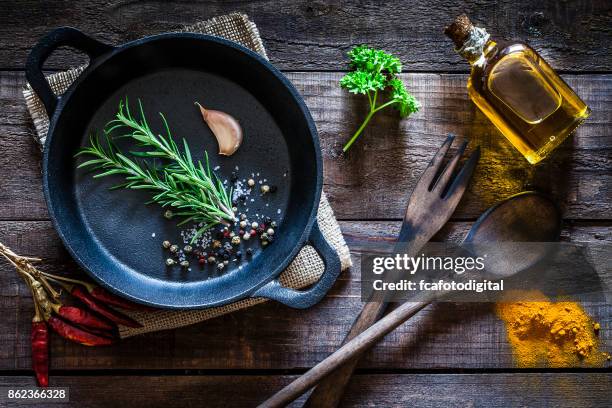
[[329, 392], [348, 351]]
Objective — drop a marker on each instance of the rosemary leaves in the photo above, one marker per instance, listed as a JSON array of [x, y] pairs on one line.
[[190, 188]]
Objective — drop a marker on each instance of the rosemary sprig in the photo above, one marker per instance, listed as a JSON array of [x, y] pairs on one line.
[[181, 183]]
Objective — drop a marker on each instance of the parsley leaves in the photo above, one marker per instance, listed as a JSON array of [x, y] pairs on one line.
[[376, 72]]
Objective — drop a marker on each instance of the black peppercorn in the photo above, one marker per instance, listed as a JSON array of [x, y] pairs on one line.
[[249, 251], [238, 254], [234, 177], [267, 220], [273, 189], [219, 235]]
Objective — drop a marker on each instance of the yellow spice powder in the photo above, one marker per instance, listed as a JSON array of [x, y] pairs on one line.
[[553, 334]]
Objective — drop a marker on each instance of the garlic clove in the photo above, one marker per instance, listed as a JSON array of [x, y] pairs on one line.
[[226, 129]]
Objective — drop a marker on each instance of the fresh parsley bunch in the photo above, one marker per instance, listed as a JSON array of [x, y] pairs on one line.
[[376, 72]]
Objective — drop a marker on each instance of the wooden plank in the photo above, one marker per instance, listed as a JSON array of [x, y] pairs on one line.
[[383, 167], [271, 336], [385, 390], [303, 35]]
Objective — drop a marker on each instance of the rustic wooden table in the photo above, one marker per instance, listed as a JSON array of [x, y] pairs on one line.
[[449, 354]]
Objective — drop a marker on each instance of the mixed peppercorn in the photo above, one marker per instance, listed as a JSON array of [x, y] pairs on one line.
[[232, 243], [227, 245]]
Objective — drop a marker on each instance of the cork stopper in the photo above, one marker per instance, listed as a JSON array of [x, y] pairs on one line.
[[459, 30]]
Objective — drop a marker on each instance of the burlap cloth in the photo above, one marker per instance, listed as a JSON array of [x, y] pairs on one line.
[[307, 267]]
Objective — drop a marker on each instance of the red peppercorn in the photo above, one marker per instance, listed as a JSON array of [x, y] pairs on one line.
[[241, 232], [201, 261], [226, 234], [263, 226], [253, 232]]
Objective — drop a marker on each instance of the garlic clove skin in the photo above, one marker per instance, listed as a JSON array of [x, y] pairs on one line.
[[226, 129]]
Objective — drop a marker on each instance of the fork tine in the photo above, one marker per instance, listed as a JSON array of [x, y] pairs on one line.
[[442, 182], [434, 165], [460, 182]]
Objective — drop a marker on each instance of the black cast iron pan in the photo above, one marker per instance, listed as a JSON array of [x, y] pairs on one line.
[[112, 234]]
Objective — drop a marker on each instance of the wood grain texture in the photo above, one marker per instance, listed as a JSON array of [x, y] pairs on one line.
[[384, 390], [372, 183], [271, 336], [315, 35], [375, 180]]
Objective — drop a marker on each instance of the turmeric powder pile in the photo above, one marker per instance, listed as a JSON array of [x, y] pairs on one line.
[[552, 334]]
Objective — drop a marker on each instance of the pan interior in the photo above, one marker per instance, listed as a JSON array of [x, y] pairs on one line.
[[120, 220], [118, 237]]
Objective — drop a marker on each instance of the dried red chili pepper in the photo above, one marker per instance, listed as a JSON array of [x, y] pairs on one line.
[[109, 334], [100, 308], [40, 351], [101, 294], [82, 317], [105, 296], [76, 334]]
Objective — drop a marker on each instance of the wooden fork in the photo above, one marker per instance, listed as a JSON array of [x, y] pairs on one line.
[[430, 206]]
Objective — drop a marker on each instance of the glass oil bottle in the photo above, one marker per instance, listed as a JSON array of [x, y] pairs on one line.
[[518, 91]]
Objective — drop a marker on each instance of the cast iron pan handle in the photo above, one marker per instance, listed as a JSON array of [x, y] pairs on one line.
[[63, 36], [303, 299]]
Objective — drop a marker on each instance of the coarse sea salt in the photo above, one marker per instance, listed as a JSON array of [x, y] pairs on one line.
[[240, 189], [202, 241]]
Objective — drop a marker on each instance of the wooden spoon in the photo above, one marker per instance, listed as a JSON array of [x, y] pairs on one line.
[[525, 217]]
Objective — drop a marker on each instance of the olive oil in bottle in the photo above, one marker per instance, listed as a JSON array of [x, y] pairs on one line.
[[518, 91]]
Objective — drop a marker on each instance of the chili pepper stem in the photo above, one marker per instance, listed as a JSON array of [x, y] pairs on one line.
[[60, 279], [26, 276], [7, 251], [23, 266], [38, 315], [65, 285], [54, 294]]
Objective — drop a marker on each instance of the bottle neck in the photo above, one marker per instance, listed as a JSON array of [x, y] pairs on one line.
[[476, 45], [479, 60]]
